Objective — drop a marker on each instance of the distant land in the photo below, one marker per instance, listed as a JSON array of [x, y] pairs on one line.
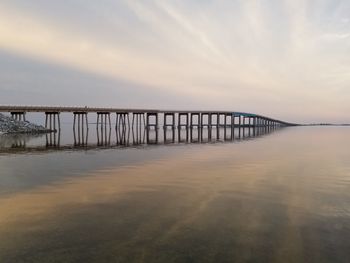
[[326, 124]]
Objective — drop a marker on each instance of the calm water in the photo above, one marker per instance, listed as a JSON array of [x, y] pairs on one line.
[[278, 197]]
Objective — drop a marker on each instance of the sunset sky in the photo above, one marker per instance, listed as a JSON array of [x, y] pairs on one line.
[[286, 59]]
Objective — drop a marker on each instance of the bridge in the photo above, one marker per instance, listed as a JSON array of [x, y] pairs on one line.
[[146, 117]]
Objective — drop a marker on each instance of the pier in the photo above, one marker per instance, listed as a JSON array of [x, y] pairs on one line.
[[148, 118]]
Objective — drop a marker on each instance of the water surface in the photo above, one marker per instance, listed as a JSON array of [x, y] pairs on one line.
[[280, 197]]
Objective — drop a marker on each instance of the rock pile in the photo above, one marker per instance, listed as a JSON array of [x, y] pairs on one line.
[[9, 125]]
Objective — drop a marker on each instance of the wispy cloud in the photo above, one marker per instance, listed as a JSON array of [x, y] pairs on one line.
[[263, 52]]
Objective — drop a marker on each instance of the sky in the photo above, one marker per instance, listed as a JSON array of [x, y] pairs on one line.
[[287, 59]]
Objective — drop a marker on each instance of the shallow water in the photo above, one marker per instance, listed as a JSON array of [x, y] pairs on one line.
[[280, 197]]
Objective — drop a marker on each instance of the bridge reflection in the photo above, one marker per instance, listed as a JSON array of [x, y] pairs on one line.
[[53, 139], [129, 136]]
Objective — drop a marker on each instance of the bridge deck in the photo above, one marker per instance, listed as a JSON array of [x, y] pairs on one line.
[[61, 109]]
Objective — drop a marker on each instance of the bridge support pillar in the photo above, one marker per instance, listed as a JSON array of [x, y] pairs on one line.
[[148, 118], [179, 123], [18, 115], [51, 120], [122, 120], [230, 122], [217, 119], [102, 119], [138, 118], [80, 128], [172, 124], [192, 124], [234, 121], [80, 120], [202, 123], [137, 124]]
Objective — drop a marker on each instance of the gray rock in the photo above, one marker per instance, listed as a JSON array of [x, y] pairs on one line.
[[9, 125]]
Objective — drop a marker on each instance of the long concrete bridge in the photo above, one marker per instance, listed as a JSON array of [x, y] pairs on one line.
[[147, 117]]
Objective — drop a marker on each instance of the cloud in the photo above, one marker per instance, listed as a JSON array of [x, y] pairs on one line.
[[260, 51], [335, 36]]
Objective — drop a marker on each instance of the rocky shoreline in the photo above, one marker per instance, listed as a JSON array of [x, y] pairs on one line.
[[11, 126]]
